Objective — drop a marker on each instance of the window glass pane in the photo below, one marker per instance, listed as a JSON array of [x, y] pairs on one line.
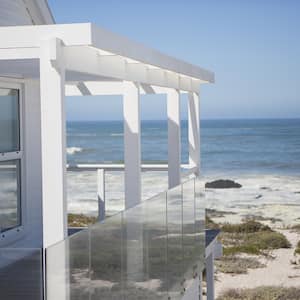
[[9, 195], [9, 120]]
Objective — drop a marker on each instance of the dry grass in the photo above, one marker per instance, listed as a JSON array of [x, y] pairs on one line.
[[296, 227], [262, 293], [235, 264], [297, 250], [80, 220], [248, 226]]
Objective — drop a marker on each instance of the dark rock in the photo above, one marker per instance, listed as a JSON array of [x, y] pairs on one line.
[[222, 184], [258, 196]]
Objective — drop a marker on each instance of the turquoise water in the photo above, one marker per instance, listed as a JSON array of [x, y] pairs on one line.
[[266, 146]]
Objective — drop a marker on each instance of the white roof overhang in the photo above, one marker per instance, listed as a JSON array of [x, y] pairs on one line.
[[94, 54]]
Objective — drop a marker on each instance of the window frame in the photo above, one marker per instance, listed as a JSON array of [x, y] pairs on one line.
[[12, 233]]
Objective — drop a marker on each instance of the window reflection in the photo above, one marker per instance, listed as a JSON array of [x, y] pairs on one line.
[[9, 120]]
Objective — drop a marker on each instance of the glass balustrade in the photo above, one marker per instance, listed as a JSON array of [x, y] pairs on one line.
[[151, 251]]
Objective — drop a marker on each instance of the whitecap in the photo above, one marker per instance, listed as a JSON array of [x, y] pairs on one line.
[[116, 134], [73, 150]]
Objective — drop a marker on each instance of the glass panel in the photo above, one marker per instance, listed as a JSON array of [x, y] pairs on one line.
[[135, 264], [21, 274], [9, 195], [9, 120], [200, 225], [68, 268], [155, 239], [174, 247], [106, 259], [188, 227]]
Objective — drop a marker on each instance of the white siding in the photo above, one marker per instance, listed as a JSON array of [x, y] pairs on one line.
[[13, 12], [24, 12]]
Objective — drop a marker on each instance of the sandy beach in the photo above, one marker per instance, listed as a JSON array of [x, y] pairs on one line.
[[274, 201]]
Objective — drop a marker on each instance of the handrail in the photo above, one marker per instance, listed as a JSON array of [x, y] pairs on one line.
[[121, 167]]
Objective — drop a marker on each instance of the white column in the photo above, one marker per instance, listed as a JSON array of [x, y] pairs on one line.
[[194, 131], [210, 287], [101, 194], [53, 144], [33, 161], [174, 138], [132, 143]]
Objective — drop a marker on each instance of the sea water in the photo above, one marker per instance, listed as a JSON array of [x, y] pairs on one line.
[[256, 152]]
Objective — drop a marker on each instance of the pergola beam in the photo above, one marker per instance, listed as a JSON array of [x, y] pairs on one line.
[[114, 66], [107, 88]]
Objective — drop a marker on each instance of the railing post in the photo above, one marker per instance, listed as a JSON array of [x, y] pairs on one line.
[[101, 194]]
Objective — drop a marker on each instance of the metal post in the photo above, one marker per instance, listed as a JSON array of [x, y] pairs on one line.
[[101, 194]]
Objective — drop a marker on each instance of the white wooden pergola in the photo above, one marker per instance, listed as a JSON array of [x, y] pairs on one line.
[[54, 61]]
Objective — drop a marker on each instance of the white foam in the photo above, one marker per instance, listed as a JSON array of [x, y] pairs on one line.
[[73, 150]]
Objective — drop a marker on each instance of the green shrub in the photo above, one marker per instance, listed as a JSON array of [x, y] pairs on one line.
[[250, 226], [268, 240], [251, 237]]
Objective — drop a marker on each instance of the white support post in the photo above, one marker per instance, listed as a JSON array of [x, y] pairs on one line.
[[194, 131], [210, 287], [174, 138], [53, 148], [52, 76], [101, 194], [132, 143]]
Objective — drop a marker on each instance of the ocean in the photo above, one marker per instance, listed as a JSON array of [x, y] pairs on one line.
[[258, 153], [266, 146]]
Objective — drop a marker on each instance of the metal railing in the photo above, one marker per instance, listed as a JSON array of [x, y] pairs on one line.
[[153, 250]]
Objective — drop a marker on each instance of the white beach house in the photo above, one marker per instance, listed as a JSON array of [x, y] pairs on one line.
[[152, 250]]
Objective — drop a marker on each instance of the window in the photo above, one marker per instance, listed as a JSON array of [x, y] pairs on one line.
[[10, 159]]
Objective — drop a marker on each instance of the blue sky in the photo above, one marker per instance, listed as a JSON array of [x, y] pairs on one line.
[[252, 46]]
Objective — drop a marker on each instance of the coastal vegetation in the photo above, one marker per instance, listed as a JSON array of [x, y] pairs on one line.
[[297, 250], [262, 293], [236, 264], [250, 237], [244, 243], [80, 220], [296, 227]]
